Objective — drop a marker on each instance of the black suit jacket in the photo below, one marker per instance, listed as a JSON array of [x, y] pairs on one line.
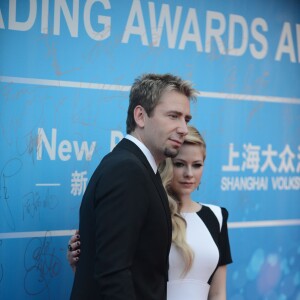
[[125, 230]]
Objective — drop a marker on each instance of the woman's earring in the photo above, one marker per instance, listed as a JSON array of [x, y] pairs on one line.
[[198, 186]]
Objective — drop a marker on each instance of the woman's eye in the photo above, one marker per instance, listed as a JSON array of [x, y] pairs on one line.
[[197, 166], [177, 164]]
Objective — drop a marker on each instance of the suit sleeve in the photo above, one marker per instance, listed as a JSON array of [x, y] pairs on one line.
[[121, 203]]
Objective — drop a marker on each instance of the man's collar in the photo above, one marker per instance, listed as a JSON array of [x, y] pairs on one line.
[[145, 150]]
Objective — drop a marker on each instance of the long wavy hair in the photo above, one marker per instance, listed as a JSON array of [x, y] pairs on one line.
[[178, 222]]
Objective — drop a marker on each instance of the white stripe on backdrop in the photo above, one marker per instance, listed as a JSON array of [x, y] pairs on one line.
[[126, 88], [248, 224]]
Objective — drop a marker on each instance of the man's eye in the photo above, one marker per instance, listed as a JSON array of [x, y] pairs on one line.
[[173, 116]]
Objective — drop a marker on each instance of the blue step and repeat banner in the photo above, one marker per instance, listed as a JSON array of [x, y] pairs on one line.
[[66, 67]]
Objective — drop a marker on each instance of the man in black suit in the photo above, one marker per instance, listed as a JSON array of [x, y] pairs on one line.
[[125, 225]]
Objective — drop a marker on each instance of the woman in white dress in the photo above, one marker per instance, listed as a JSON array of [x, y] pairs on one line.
[[200, 250], [200, 247]]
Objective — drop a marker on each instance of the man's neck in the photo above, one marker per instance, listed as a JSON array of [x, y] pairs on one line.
[[136, 140]]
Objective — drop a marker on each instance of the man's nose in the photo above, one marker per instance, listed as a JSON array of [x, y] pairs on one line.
[[183, 128]]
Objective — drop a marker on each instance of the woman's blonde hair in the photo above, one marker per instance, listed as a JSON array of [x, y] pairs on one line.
[[178, 222]]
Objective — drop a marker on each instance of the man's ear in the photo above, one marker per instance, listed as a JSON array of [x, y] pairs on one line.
[[139, 114]]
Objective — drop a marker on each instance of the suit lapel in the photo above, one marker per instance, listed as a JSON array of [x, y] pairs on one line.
[[130, 146]]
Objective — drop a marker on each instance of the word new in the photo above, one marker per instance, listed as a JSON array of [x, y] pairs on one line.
[[64, 149]]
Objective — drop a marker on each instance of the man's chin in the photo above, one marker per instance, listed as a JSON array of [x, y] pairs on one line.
[[171, 152]]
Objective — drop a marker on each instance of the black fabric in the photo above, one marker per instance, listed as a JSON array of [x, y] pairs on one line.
[[211, 222], [220, 237], [125, 230]]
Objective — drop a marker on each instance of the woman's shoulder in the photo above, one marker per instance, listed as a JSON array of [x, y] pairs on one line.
[[219, 212], [216, 209]]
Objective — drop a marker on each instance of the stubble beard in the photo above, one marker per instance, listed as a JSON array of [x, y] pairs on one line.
[[171, 152]]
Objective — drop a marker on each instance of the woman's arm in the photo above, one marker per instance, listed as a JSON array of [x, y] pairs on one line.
[[218, 285], [74, 250]]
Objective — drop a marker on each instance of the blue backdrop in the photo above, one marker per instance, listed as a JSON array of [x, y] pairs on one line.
[[65, 72]]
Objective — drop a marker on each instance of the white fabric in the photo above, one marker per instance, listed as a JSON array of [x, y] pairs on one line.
[[218, 213], [194, 286], [145, 150]]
